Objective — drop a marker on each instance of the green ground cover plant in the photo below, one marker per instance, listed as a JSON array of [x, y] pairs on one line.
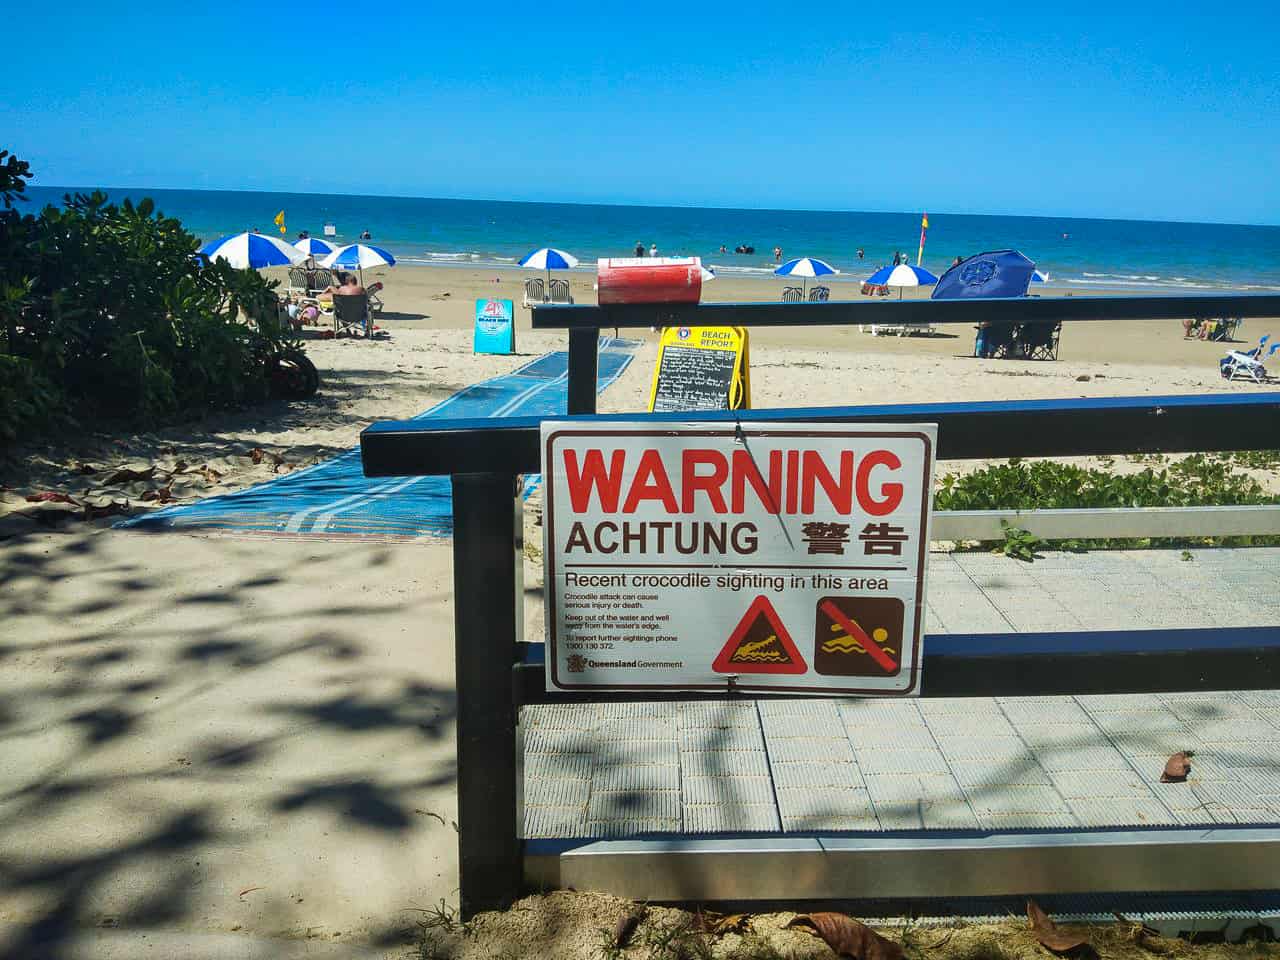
[[106, 314], [1197, 480]]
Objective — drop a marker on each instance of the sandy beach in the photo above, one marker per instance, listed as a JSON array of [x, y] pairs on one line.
[[427, 357], [220, 736]]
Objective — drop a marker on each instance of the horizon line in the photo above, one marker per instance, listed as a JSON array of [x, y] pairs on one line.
[[655, 206]]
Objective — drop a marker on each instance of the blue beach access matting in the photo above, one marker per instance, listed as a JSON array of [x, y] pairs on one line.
[[335, 500]]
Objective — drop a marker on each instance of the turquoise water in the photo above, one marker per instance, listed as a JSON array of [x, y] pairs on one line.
[[1094, 253]]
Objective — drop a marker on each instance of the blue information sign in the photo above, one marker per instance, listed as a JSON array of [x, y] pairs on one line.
[[495, 327]]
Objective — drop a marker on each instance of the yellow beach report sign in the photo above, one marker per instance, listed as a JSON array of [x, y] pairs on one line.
[[779, 557], [701, 368]]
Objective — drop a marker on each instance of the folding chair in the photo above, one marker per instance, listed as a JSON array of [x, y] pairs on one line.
[[560, 291], [375, 301], [1240, 365], [820, 294], [350, 312], [297, 281], [792, 295], [1039, 341], [319, 279], [533, 291]]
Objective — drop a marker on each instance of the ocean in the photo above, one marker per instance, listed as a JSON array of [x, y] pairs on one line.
[[1074, 252]]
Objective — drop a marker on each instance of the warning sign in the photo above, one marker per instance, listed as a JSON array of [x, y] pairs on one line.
[[759, 644], [704, 556]]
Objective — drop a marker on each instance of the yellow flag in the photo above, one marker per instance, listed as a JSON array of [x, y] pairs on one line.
[[279, 221]]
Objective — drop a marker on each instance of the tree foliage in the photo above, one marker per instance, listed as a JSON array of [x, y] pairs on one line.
[[108, 313]]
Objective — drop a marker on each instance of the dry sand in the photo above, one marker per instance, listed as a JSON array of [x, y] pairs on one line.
[[210, 735], [429, 314]]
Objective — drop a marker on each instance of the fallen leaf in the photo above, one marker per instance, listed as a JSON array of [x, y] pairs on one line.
[[1049, 935], [626, 926], [111, 509], [130, 476], [733, 923], [163, 495], [48, 497], [210, 475], [256, 454], [848, 937], [1177, 767], [180, 466], [86, 468]]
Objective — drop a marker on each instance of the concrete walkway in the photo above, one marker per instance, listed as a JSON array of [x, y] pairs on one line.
[[615, 770]]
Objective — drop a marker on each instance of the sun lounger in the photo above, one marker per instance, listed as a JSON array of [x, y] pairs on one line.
[[533, 292], [350, 313], [792, 295], [560, 292], [1251, 365]]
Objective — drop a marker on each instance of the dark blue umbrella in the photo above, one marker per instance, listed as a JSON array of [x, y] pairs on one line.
[[1000, 273]]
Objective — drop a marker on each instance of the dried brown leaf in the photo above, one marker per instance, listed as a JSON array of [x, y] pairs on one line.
[[50, 497], [110, 509], [733, 923], [1050, 937], [1177, 767], [626, 926], [847, 937], [130, 476]]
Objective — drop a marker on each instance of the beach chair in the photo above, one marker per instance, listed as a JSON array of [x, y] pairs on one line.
[[375, 301], [320, 279], [350, 313], [533, 291], [559, 292], [820, 294], [792, 295], [1039, 341], [297, 281], [1251, 365]]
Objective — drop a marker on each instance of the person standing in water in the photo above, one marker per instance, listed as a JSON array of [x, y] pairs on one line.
[[777, 254], [653, 250], [639, 249], [861, 253]]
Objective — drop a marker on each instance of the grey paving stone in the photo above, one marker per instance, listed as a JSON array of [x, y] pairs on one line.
[[1120, 812], [558, 766], [1100, 784], [819, 774], [731, 818], [1073, 758], [706, 715], [902, 761], [629, 804], [891, 738], [558, 793], [722, 738], [911, 788], [631, 827], [553, 740], [629, 776], [560, 716], [553, 822], [989, 775], [626, 711], [724, 763], [811, 802], [1010, 799], [728, 790], [637, 752]]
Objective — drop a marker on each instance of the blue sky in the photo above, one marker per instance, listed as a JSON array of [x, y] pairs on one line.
[[1109, 110]]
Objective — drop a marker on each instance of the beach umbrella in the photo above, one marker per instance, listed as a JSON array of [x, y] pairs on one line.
[[1038, 276], [805, 267], [245, 250], [313, 247], [903, 275], [708, 274], [357, 256], [548, 259]]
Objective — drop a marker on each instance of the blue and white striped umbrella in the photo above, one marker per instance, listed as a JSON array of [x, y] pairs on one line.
[[549, 258], [313, 247], [805, 267], [245, 250], [357, 256], [1039, 276], [903, 275]]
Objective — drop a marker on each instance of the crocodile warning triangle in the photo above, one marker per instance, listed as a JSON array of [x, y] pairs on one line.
[[760, 644]]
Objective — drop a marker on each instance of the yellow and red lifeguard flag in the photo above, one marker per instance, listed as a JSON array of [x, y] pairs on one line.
[[279, 222], [924, 228]]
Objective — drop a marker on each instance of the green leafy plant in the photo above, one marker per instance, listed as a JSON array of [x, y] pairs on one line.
[[1196, 480], [113, 316], [1018, 543]]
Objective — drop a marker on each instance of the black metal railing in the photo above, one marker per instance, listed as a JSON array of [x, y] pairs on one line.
[[486, 458]]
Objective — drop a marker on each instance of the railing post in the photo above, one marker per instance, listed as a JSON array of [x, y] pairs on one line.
[[487, 608], [583, 349]]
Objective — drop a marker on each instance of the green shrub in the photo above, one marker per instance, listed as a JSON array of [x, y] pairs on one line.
[[1199, 480], [108, 306]]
